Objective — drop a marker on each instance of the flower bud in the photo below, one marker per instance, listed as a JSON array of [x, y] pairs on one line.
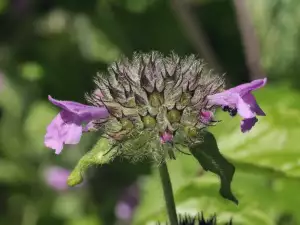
[[173, 116], [126, 124], [149, 122], [190, 131]]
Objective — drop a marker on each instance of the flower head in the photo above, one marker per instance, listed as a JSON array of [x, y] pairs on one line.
[[240, 100], [56, 177], [150, 98], [68, 125]]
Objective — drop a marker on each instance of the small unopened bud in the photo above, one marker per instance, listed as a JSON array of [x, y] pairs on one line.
[[190, 131], [126, 124], [174, 116], [149, 122]]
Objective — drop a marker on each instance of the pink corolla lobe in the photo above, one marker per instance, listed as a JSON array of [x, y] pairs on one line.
[[68, 126], [206, 116], [240, 100], [166, 137]]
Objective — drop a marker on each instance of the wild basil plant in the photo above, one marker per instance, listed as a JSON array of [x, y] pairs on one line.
[[151, 107]]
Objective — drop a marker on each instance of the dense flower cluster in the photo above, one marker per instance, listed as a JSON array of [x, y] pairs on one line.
[[149, 103]]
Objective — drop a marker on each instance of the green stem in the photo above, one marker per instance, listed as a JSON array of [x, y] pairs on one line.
[[168, 193]]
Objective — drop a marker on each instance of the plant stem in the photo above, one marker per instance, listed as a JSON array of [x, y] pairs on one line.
[[168, 193]]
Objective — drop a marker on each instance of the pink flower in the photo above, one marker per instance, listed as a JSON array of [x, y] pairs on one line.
[[240, 100], [56, 177], [206, 117], [166, 137], [67, 126]]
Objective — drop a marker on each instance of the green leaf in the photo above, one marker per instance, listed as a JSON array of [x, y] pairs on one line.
[[208, 155]]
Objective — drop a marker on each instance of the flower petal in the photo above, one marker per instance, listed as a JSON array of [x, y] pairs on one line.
[[86, 113], [244, 109], [64, 129], [250, 100], [88, 127], [166, 137], [53, 138], [248, 87], [225, 98], [247, 124], [71, 133]]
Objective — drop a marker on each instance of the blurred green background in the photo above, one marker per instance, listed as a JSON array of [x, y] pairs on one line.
[[57, 46]]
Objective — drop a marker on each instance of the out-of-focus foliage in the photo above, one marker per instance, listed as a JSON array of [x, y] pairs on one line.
[[56, 47], [276, 23]]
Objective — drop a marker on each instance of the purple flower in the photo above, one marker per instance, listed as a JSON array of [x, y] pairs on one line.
[[56, 177], [123, 211], [240, 100], [166, 137], [127, 203], [206, 116], [68, 125]]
